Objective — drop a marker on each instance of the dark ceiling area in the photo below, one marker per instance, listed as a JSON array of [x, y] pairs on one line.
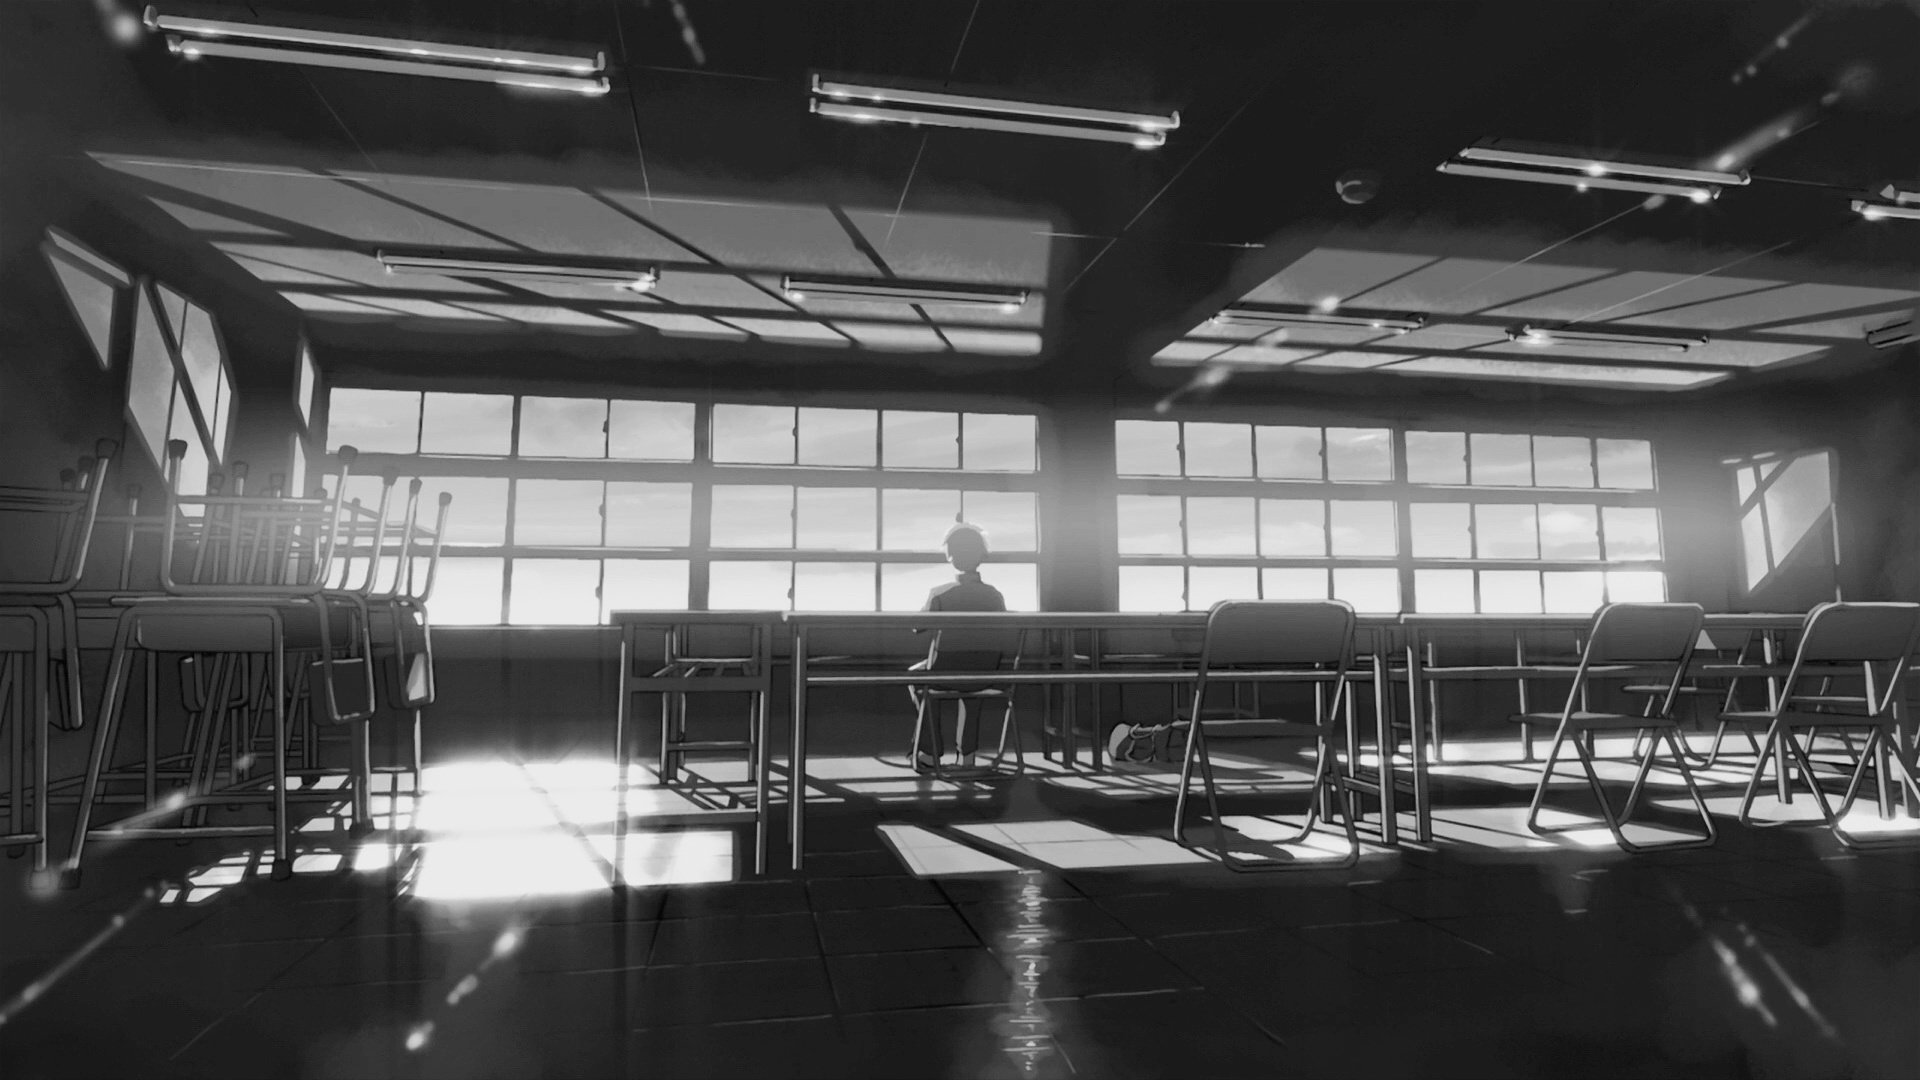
[[283, 181]]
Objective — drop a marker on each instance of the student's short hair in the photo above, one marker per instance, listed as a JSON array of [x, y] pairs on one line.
[[966, 532]]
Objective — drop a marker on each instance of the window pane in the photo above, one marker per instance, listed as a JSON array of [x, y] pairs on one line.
[[554, 592], [1633, 532], [650, 430], [1219, 449], [1436, 457], [839, 437], [1506, 532], [752, 516], [1625, 463], [371, 421], [1208, 585], [1149, 525], [556, 512], [1799, 495], [753, 434], [643, 585], [919, 440], [563, 427], [1442, 530], [1356, 455], [997, 442], [1019, 584], [904, 586], [1152, 588], [479, 424], [1636, 586], [1569, 532], [1443, 592], [748, 586], [1370, 590], [200, 356], [478, 512], [466, 592], [1288, 453], [297, 470], [1576, 592], [833, 587], [641, 514], [1008, 517], [1510, 592], [1146, 448], [835, 519], [1744, 479], [1362, 528], [306, 381], [916, 520], [1753, 546], [1501, 460], [194, 468], [1293, 528], [1221, 526], [1293, 583], [150, 379], [1562, 461]]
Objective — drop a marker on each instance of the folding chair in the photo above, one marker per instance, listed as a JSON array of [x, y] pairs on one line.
[[1870, 642], [1274, 641], [1626, 641], [971, 651], [47, 534]]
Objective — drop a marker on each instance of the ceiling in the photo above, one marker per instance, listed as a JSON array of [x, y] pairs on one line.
[[704, 161]]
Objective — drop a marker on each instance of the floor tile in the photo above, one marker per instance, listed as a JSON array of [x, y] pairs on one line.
[[736, 937], [836, 894], [1385, 948], [870, 982], [897, 929]]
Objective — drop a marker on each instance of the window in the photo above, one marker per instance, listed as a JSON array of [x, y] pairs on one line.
[[1484, 521], [1784, 500], [565, 509], [92, 287], [178, 384]]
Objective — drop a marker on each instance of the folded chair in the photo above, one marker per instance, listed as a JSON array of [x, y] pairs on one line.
[[44, 536], [1274, 641], [1626, 641], [1867, 648], [971, 651]]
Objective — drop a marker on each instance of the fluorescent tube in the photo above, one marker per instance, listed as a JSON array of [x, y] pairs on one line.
[[400, 47], [803, 288], [1886, 337], [1873, 211], [907, 105], [1245, 316], [635, 278], [195, 49], [1546, 337], [1505, 153], [1582, 181]]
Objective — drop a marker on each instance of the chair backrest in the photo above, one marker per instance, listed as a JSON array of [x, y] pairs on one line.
[[1644, 633], [971, 650], [47, 533], [1854, 632], [1242, 633]]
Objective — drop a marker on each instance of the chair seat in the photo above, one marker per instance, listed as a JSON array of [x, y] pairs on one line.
[[1595, 720]]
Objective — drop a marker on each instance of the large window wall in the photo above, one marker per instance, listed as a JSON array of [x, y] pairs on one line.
[[1388, 519], [565, 509]]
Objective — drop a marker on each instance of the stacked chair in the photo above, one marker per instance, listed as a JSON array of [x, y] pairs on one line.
[[44, 535], [271, 605]]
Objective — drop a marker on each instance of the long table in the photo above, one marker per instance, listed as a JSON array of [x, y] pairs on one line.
[[1391, 649]]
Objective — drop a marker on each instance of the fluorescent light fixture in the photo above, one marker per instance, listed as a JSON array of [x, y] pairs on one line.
[[194, 38], [635, 278], [1886, 337], [1505, 159], [908, 105], [1250, 316], [1508, 152], [1568, 337], [800, 289], [1874, 211]]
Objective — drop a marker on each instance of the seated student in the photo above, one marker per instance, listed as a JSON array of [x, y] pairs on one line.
[[966, 549]]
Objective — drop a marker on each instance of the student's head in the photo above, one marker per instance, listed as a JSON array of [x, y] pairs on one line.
[[966, 547]]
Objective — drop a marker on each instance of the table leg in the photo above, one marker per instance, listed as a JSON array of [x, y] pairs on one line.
[[621, 703], [1383, 733], [763, 656], [797, 757], [1781, 787], [1417, 722]]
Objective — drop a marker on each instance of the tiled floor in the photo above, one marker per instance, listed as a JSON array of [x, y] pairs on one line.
[[1074, 941]]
